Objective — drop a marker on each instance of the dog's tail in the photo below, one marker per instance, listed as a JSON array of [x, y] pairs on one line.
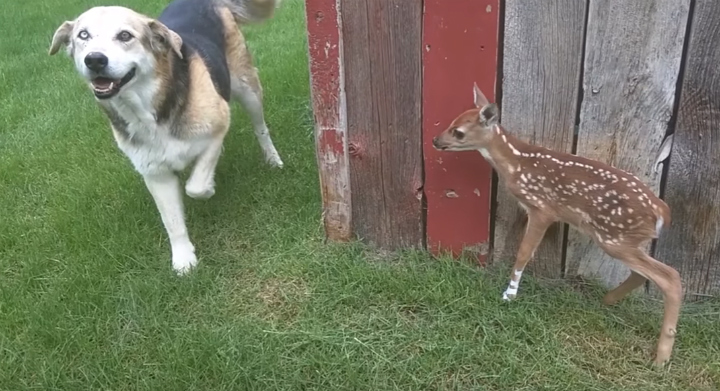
[[250, 11]]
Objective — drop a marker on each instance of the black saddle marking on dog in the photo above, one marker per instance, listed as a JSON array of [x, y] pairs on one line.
[[201, 29]]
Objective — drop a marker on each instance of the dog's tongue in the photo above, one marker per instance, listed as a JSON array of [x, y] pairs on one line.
[[102, 83]]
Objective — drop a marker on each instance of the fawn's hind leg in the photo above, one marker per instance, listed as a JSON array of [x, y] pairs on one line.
[[668, 280], [630, 284]]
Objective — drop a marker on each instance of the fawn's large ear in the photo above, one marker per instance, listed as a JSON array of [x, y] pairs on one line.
[[489, 115], [480, 99], [61, 37], [162, 38]]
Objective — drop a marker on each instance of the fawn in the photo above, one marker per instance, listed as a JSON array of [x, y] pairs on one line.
[[619, 212]]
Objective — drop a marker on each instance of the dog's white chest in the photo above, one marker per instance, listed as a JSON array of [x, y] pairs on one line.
[[151, 147], [156, 151]]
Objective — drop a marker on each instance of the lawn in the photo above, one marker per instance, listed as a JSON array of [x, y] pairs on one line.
[[88, 300]]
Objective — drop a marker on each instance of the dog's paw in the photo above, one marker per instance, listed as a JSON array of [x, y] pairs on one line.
[[273, 159], [199, 191], [184, 259], [275, 162]]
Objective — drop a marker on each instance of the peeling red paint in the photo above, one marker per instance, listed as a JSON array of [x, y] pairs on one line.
[[324, 43]]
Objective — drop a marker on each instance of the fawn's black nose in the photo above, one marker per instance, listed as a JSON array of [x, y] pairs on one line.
[[96, 61]]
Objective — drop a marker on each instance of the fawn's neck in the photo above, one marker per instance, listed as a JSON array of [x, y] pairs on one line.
[[504, 152]]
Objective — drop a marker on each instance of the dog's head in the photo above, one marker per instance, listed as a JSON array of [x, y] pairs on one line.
[[114, 46]]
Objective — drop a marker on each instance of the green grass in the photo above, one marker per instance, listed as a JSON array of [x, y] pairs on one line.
[[88, 300]]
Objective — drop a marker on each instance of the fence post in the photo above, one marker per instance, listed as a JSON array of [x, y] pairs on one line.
[[632, 61], [366, 70], [328, 102], [691, 242]]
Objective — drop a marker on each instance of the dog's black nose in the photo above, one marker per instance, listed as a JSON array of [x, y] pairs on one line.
[[435, 141], [96, 61]]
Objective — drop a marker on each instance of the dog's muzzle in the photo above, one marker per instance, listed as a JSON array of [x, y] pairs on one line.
[[105, 88]]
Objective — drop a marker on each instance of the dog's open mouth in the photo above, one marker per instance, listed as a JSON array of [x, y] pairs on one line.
[[105, 88]]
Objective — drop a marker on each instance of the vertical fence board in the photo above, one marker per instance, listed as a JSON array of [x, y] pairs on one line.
[[460, 47], [631, 67], [541, 81], [324, 47], [382, 55], [692, 244]]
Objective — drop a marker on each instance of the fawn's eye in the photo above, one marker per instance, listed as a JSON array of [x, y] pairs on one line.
[[458, 134], [84, 35], [124, 36]]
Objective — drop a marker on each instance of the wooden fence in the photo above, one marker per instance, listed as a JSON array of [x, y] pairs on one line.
[[606, 79]]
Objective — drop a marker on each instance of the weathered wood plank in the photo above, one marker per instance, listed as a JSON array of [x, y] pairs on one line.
[[460, 47], [633, 54], [692, 244], [541, 81], [383, 81], [324, 43]]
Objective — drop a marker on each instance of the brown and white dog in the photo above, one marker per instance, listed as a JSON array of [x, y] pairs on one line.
[[165, 84]]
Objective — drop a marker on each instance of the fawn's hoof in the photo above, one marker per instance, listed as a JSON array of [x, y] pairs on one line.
[[509, 296]]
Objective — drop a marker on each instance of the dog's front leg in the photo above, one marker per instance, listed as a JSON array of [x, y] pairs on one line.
[[165, 190]]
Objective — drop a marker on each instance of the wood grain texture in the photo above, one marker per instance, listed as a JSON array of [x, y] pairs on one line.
[[460, 48], [383, 82], [541, 81], [692, 244], [324, 43], [632, 60]]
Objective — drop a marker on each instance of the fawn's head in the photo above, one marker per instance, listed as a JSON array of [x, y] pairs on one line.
[[472, 129]]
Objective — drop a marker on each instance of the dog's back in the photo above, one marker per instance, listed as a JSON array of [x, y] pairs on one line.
[[201, 28]]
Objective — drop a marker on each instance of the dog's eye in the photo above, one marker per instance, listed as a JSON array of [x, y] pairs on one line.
[[84, 35], [458, 134], [124, 36]]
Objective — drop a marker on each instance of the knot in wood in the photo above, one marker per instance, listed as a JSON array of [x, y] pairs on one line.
[[354, 150]]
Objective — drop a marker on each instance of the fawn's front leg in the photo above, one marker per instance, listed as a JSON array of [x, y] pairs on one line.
[[535, 229]]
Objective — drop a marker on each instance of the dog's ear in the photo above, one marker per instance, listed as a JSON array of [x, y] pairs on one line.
[[61, 37], [164, 38]]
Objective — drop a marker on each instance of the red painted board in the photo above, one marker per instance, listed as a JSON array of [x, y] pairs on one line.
[[328, 101], [459, 47]]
